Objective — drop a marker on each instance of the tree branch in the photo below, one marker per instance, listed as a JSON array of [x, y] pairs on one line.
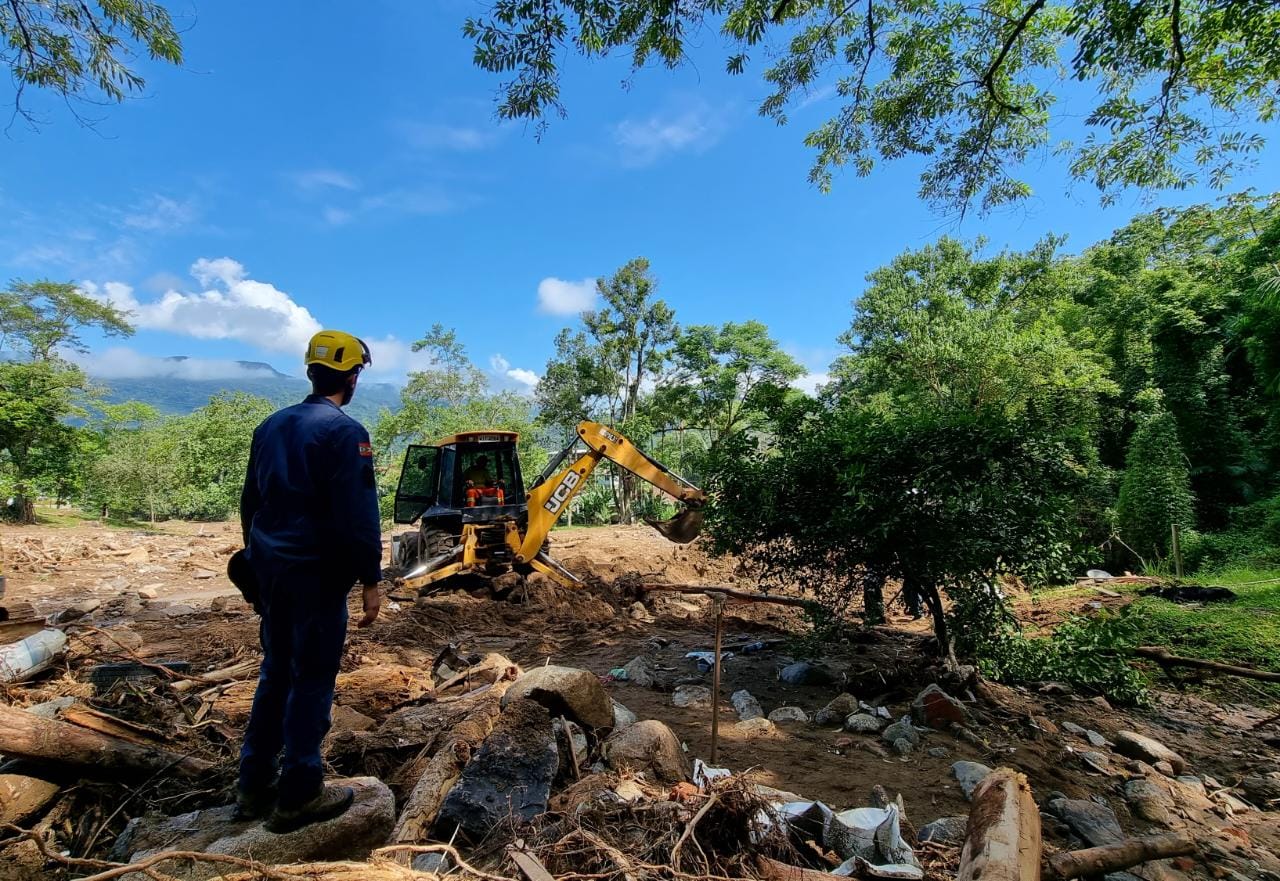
[[988, 79]]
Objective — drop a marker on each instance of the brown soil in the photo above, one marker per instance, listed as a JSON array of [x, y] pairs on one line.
[[600, 627]]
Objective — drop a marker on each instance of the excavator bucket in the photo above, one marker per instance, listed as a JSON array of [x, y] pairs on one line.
[[682, 528]]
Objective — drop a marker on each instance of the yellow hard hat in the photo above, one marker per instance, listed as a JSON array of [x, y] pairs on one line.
[[338, 350]]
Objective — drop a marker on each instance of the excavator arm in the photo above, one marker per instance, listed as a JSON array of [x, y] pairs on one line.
[[549, 498]]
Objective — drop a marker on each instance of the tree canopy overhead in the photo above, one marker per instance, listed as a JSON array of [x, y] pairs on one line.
[[1181, 85]]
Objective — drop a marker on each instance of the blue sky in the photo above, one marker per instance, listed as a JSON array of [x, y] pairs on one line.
[[343, 168]]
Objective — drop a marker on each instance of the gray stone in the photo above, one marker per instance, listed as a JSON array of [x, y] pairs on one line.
[[939, 752], [946, 830], [622, 717], [349, 836], [1099, 761], [861, 723], [1095, 739], [1137, 746], [840, 708], [1148, 800], [788, 714], [179, 610], [902, 746], [1165, 768], [969, 775], [509, 777], [649, 747], [804, 673], [934, 708], [1262, 789], [692, 696], [640, 671], [565, 691], [902, 728], [1095, 823], [1073, 728], [746, 705], [1196, 784], [436, 863]]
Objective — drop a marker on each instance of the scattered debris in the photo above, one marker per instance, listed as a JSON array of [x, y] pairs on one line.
[[31, 656]]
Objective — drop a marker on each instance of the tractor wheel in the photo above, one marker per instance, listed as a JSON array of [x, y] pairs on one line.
[[437, 542]]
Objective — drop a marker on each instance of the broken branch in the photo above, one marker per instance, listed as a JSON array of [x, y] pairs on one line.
[[1115, 857]]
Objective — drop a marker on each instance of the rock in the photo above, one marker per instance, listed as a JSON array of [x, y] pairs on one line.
[[22, 797], [1136, 746], [788, 714], [1098, 761], [204, 573], [939, 752], [226, 603], [78, 611], [841, 707], [640, 671], [1095, 739], [902, 746], [1262, 789], [934, 708], [347, 719], [861, 723], [509, 778], [1195, 784], [434, 863], [1044, 724], [147, 593], [565, 691], [804, 673], [622, 717], [878, 712], [150, 615], [843, 742], [1165, 768], [157, 605], [1095, 823], [566, 735], [1148, 800], [640, 613], [1056, 688], [746, 706], [1101, 703], [969, 775], [756, 728], [947, 830], [650, 747], [901, 729], [349, 836], [692, 696], [179, 610], [1073, 728]]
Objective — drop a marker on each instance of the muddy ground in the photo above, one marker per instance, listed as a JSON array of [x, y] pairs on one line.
[[180, 568]]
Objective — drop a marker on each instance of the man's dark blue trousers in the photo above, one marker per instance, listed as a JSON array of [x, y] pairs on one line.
[[303, 628]]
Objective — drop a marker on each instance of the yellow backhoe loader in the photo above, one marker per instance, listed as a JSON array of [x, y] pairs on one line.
[[467, 497]]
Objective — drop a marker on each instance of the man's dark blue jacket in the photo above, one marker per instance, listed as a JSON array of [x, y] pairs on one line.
[[310, 496]]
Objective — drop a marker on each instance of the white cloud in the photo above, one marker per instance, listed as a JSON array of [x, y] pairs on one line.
[[559, 297], [435, 136], [524, 377], [125, 363], [811, 383], [160, 214], [231, 306], [502, 367], [645, 141], [325, 178]]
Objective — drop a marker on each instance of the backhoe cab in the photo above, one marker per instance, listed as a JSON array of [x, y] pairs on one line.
[[467, 496]]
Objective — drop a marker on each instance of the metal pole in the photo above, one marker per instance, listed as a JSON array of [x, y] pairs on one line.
[[717, 600], [1177, 552]]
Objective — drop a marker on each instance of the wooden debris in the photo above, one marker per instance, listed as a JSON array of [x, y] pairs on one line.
[[1003, 839], [27, 736], [1165, 659], [1115, 857]]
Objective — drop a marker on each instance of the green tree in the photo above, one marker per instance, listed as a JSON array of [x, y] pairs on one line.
[[1155, 494], [135, 473], [39, 389], [1180, 87], [211, 454], [83, 51]]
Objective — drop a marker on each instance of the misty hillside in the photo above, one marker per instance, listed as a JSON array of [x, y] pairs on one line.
[[176, 393]]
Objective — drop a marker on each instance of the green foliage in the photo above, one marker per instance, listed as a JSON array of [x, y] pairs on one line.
[[973, 88], [1155, 494], [1090, 653], [1252, 539], [86, 50]]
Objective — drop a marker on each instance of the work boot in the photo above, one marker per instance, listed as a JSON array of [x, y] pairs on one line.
[[331, 802], [254, 804]]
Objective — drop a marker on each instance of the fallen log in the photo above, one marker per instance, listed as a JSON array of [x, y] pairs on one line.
[[1002, 842], [1165, 659], [27, 736], [103, 723], [423, 804], [774, 870], [239, 670], [732, 595], [1116, 857]]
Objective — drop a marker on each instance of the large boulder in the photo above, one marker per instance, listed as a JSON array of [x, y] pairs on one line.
[[934, 708], [1137, 746], [565, 691], [509, 777], [349, 836], [650, 747]]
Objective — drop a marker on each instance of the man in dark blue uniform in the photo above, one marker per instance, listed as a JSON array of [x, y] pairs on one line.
[[309, 512]]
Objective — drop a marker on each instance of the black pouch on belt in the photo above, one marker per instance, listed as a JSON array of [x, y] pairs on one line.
[[244, 578]]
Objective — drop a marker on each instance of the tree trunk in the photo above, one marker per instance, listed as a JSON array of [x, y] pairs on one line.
[[27, 736], [1115, 857], [1002, 842], [933, 601], [873, 600]]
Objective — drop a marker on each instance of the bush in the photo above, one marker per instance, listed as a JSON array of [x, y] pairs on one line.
[[1156, 491], [1251, 540]]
